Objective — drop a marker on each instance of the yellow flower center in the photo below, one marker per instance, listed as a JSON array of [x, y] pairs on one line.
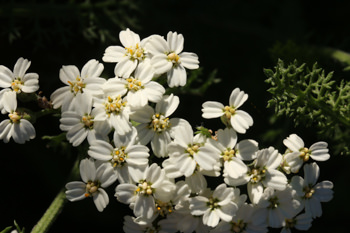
[[114, 105], [88, 121], [14, 117], [164, 208], [305, 154], [309, 191], [256, 175], [229, 111], [144, 188], [174, 58], [91, 188], [118, 157], [77, 86], [228, 154], [159, 123], [16, 85], [135, 52], [134, 84], [238, 226], [193, 149]]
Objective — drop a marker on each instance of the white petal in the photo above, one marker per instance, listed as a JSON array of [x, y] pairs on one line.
[[175, 42], [113, 54], [167, 105], [144, 207], [9, 101], [58, 97], [211, 218], [159, 144], [198, 205], [87, 170], [241, 121], [125, 67], [157, 45], [294, 142], [129, 38], [76, 194], [227, 137], [212, 109], [189, 60], [125, 193], [319, 151], [101, 200], [92, 69], [177, 76], [161, 64], [69, 73], [237, 98], [311, 173], [21, 67], [6, 77], [275, 179], [246, 149]]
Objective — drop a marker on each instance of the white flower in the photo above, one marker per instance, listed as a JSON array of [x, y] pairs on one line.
[[298, 153], [85, 82], [16, 82], [239, 120], [152, 185], [95, 179], [167, 57], [115, 111], [301, 222], [128, 56], [125, 156], [80, 124], [232, 154], [17, 127], [187, 152], [138, 87], [244, 221], [218, 206], [131, 226], [278, 205], [262, 173], [155, 125], [310, 193]]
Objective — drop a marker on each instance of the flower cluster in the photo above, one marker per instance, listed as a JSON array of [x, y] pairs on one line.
[[12, 84], [126, 121]]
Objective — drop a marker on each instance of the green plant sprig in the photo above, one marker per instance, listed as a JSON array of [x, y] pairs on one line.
[[310, 97]]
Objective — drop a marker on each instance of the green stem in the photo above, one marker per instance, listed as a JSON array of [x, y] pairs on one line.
[[51, 213], [56, 206]]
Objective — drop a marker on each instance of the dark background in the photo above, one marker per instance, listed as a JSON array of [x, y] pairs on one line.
[[236, 38]]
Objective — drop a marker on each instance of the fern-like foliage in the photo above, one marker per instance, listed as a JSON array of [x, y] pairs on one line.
[[311, 98]]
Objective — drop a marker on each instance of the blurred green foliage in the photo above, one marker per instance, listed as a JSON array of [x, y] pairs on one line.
[[311, 97], [64, 21]]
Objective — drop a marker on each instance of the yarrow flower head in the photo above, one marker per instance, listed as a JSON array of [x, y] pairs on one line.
[[138, 88], [127, 57], [261, 173], [126, 155], [230, 115], [80, 124], [167, 57], [87, 83], [16, 82], [218, 206], [152, 185], [17, 126], [309, 192], [95, 179], [155, 125]]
